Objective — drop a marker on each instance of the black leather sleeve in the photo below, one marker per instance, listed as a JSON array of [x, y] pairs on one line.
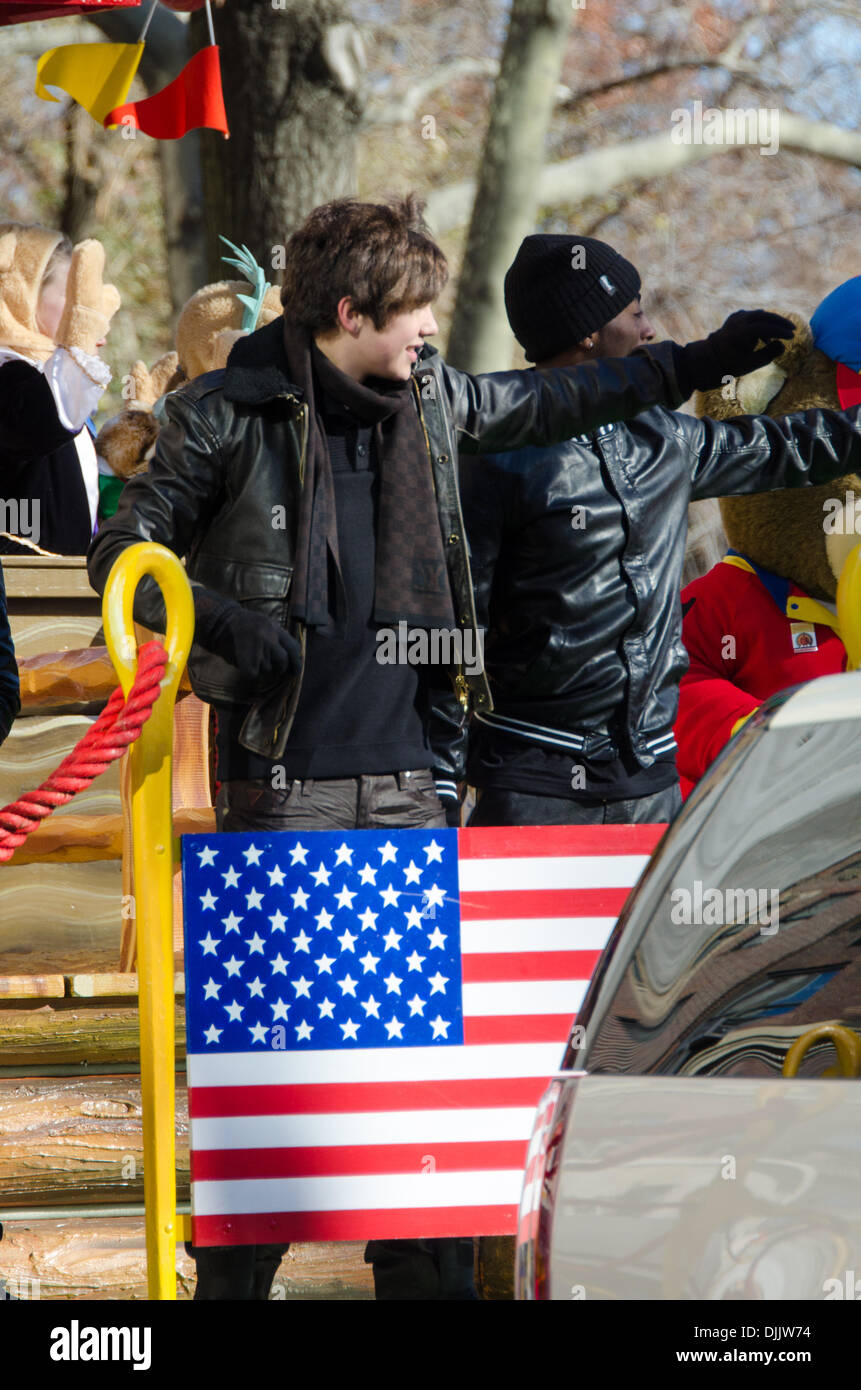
[[756, 454], [448, 733], [171, 503], [502, 411], [483, 498]]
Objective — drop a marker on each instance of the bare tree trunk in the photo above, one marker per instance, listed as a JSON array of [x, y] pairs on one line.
[[166, 52], [84, 172], [293, 77], [523, 100]]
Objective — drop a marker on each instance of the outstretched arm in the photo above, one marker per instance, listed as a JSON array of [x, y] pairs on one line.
[[501, 411], [757, 454]]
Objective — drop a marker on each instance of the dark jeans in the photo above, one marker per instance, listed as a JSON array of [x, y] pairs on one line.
[[497, 806], [403, 1269]]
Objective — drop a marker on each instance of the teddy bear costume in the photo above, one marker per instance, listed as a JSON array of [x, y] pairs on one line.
[[207, 327], [47, 391], [764, 618]]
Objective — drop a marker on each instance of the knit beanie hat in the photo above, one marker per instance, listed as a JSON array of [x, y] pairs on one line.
[[24, 255], [559, 289]]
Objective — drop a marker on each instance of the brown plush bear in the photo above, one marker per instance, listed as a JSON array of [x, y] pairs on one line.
[[208, 326], [764, 618]]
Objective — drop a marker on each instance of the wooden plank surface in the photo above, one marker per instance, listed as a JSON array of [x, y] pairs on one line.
[[100, 1035], [78, 1141], [58, 920], [105, 1258], [111, 985], [84, 839], [33, 577], [32, 986]]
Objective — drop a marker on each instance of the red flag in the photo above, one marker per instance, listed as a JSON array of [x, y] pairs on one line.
[[192, 99], [24, 11]]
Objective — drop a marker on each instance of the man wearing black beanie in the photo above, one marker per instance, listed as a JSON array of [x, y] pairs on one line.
[[577, 552]]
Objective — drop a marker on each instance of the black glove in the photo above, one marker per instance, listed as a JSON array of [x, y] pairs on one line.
[[262, 649], [731, 350]]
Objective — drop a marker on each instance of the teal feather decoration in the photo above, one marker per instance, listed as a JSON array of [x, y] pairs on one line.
[[247, 266]]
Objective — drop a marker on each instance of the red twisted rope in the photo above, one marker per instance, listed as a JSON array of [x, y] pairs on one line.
[[118, 725]]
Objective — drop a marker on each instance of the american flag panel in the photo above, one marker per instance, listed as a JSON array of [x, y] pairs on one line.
[[372, 1017]]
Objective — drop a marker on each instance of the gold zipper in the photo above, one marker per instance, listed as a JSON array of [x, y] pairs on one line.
[[303, 449], [424, 430]]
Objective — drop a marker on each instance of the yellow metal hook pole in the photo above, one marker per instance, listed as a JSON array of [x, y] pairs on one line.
[[849, 607], [152, 833], [845, 1042]]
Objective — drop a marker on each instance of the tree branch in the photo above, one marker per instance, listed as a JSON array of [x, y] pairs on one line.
[[403, 110], [599, 171]]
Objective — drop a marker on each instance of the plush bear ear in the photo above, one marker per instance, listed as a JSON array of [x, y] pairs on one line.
[[165, 375], [793, 357], [8, 242], [142, 396], [224, 341]]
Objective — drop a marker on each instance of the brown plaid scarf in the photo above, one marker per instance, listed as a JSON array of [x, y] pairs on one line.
[[411, 576]]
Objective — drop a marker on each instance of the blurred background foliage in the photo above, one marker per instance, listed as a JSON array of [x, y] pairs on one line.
[[416, 81]]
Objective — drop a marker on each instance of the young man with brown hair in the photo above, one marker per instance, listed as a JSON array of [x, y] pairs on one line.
[[312, 485]]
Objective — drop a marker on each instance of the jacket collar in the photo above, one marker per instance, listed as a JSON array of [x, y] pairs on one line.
[[798, 606], [257, 370], [775, 585]]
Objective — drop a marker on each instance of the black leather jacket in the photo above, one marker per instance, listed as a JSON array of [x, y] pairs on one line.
[[231, 458], [577, 556]]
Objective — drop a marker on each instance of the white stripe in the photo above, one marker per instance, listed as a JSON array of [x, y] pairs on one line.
[[367, 1192], [491, 717], [512, 997], [536, 934], [570, 871], [574, 743], [492, 1060], [381, 1127]]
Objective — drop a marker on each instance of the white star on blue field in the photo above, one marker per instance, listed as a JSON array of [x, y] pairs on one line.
[[302, 941]]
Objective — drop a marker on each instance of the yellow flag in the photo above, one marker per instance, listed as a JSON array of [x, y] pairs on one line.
[[96, 75]]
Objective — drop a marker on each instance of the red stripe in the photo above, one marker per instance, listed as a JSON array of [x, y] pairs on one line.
[[402, 1223], [225, 1165], [518, 842], [345, 1098], [543, 902], [522, 1028], [484, 966]]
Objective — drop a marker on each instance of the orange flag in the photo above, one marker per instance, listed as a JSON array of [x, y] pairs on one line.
[[191, 100]]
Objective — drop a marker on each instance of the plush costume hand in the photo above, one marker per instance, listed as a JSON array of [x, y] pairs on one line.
[[90, 304]]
